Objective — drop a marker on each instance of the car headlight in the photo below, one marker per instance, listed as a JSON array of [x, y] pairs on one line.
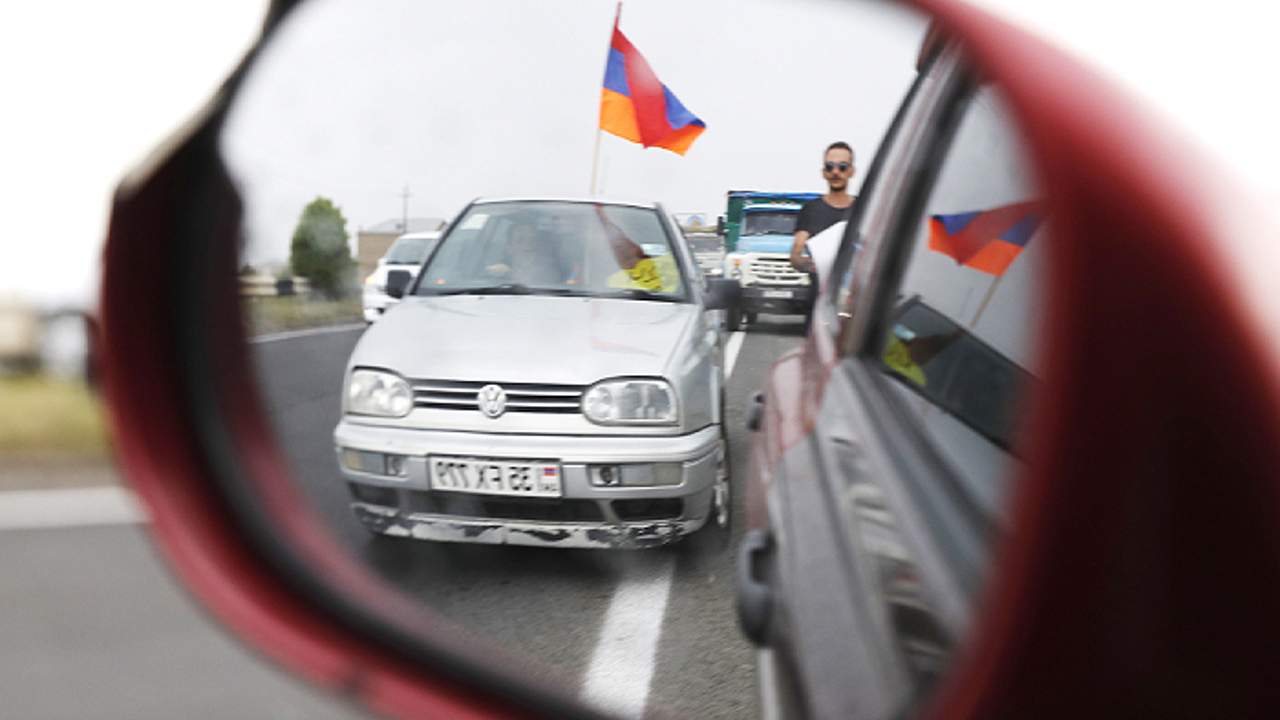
[[732, 267], [374, 392], [631, 402]]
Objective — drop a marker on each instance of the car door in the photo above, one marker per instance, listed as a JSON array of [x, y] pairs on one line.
[[879, 471]]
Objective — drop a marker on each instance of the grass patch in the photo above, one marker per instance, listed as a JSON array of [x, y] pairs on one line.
[[47, 419], [278, 314]]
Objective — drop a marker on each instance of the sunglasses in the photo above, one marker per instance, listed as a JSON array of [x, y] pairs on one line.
[[833, 166]]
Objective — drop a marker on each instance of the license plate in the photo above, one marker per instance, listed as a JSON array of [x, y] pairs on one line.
[[495, 477], [778, 294]]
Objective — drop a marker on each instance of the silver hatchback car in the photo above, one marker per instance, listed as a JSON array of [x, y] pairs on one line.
[[552, 376]]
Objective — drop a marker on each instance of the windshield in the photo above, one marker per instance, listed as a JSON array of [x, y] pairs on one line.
[[769, 223], [409, 251], [563, 248]]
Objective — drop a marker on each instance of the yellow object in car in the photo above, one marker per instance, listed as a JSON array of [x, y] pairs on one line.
[[654, 274]]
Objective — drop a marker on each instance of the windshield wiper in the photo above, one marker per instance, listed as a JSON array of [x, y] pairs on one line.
[[503, 289], [559, 292], [512, 289]]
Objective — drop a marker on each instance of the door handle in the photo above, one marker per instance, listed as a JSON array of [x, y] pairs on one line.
[[754, 596], [755, 411]]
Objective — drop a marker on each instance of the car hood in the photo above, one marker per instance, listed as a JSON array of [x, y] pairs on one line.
[[527, 338]]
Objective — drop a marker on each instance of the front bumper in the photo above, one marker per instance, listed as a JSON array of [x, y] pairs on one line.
[[586, 515], [375, 303]]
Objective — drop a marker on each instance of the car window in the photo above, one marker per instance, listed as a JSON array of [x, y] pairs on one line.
[[957, 342], [409, 251], [563, 247]]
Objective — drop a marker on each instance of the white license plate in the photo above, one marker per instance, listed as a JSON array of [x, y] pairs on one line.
[[494, 477], [778, 294]]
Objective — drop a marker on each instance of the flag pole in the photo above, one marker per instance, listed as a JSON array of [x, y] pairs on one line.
[[595, 158], [985, 301], [595, 162]]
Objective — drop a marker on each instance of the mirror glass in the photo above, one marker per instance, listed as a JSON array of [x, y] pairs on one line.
[[362, 122]]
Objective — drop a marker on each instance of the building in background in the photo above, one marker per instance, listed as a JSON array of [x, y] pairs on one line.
[[372, 243]]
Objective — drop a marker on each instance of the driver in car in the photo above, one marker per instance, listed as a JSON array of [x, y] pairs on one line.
[[532, 258]]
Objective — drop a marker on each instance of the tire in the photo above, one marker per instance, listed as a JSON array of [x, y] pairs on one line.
[[712, 539], [736, 318], [749, 318]]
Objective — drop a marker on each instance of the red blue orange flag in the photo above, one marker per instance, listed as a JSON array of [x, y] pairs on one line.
[[986, 240], [635, 106]]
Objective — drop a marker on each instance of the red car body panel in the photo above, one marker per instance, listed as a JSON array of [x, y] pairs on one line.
[[797, 382]]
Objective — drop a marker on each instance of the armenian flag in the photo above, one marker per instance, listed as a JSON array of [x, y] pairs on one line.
[[635, 106], [986, 240]]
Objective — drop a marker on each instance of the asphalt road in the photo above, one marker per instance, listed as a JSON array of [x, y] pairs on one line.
[[561, 609], [95, 626]]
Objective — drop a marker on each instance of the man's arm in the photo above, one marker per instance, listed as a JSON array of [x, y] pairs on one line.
[[798, 260]]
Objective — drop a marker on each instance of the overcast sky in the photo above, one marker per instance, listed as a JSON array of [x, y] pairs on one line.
[[90, 89], [487, 98]]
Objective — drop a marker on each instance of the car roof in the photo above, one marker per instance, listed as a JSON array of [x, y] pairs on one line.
[[421, 235], [594, 201]]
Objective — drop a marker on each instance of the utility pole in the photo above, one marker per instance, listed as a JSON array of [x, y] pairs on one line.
[[405, 198]]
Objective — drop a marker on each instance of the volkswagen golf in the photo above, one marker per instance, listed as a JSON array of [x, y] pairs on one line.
[[552, 376]]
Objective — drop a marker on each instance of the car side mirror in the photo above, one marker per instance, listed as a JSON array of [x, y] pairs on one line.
[[721, 293], [397, 282]]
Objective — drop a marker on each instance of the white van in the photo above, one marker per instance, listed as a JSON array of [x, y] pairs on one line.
[[406, 253]]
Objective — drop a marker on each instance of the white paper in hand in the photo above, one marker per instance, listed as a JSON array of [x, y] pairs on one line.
[[824, 246]]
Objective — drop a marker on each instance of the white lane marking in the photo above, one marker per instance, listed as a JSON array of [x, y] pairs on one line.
[[621, 671], [68, 508], [622, 665], [290, 334], [731, 349]]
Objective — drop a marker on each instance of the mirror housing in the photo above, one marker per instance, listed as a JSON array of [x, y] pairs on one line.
[[398, 282]]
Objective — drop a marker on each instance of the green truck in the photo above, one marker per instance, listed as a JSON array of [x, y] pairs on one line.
[[758, 229]]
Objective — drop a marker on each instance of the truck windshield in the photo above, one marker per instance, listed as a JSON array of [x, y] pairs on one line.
[[769, 223]]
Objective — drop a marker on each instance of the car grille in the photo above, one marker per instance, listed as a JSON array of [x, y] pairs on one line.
[[775, 270], [503, 508], [527, 509], [521, 397]]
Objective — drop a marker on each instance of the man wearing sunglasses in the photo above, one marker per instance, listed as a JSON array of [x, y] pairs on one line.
[[823, 212]]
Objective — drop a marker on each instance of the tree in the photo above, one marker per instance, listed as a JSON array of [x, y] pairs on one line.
[[319, 251]]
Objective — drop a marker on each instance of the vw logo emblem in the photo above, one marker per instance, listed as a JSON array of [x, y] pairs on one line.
[[492, 400]]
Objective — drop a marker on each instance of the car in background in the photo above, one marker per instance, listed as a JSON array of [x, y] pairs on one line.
[[407, 253], [552, 377]]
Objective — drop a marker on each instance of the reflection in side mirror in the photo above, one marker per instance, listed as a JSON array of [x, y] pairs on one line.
[[397, 282], [534, 408]]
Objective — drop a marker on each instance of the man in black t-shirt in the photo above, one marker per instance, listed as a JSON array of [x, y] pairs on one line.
[[823, 212]]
